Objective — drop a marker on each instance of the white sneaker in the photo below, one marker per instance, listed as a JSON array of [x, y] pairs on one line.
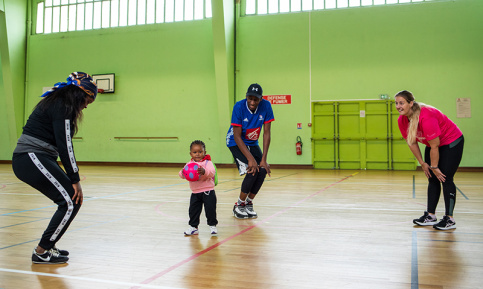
[[239, 211], [191, 231], [249, 210], [214, 230]]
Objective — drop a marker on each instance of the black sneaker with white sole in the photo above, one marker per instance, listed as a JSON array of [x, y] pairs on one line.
[[445, 224], [48, 257], [426, 220]]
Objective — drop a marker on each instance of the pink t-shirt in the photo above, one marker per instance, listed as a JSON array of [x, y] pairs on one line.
[[432, 124], [206, 181]]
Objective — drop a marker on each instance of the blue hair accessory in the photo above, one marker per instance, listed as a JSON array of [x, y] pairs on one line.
[[79, 79]]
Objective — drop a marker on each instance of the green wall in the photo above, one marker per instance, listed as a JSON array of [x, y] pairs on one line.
[[168, 76], [433, 49], [13, 26], [163, 86]]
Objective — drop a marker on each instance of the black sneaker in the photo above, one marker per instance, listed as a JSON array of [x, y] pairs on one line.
[[60, 252], [250, 212], [426, 220], [239, 211], [48, 257], [445, 224]]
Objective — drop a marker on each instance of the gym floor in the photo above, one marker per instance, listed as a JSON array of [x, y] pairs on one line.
[[316, 229]]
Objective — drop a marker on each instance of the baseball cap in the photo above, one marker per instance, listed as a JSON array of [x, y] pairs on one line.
[[255, 89]]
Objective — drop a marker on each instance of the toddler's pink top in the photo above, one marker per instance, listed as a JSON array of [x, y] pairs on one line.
[[206, 182], [432, 124]]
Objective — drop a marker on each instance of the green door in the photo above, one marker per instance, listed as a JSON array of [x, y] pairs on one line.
[[358, 135]]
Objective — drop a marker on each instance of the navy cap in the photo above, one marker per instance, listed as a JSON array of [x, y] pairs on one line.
[[255, 89]]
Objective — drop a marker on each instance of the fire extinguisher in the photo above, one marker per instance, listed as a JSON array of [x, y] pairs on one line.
[[298, 146]]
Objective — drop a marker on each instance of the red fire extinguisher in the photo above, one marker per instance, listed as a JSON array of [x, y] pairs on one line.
[[298, 146]]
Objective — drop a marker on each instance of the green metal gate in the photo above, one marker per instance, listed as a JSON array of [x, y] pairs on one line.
[[358, 135]]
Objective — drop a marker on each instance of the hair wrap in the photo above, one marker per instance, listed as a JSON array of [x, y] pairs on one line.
[[80, 79]]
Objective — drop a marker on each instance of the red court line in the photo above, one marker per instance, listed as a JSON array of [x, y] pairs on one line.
[[162, 273]]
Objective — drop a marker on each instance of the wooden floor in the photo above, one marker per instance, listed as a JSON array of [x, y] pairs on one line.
[[316, 229]]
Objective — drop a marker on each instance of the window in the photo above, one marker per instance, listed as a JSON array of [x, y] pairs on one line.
[[259, 7], [73, 15]]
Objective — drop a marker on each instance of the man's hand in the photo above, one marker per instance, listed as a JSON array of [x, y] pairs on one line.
[[266, 166]]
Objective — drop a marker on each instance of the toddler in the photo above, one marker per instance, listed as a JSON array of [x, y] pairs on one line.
[[203, 190]]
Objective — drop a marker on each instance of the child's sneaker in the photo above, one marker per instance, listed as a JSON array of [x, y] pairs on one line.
[[426, 220], [60, 252], [214, 230], [250, 212], [239, 211], [48, 257], [445, 224], [191, 231]]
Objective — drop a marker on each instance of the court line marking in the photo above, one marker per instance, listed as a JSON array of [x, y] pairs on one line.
[[414, 253], [414, 189], [414, 262], [414, 186], [84, 279], [462, 193], [449, 241], [95, 198], [18, 224], [73, 230], [267, 180], [181, 263]]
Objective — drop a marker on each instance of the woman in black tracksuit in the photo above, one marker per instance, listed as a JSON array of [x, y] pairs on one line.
[[47, 135]]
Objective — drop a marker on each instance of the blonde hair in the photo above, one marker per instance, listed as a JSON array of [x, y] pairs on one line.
[[414, 118]]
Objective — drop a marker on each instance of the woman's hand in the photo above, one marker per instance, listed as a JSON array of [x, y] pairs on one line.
[[426, 170], [439, 175], [78, 195]]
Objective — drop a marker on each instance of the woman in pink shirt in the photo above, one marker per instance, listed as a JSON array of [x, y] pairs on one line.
[[444, 149]]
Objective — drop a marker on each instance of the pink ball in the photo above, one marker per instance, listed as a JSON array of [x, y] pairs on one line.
[[190, 172]]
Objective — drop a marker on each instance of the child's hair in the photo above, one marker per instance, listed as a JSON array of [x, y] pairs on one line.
[[198, 142]]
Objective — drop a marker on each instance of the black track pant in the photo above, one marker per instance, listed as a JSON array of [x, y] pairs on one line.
[[43, 173], [449, 161], [196, 206]]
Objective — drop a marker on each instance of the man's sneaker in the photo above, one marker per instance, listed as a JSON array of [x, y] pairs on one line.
[[48, 257], [213, 230], [445, 224], [60, 252], [426, 220], [239, 211], [250, 212], [191, 231]]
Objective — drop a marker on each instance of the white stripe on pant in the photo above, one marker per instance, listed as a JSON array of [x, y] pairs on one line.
[[63, 192]]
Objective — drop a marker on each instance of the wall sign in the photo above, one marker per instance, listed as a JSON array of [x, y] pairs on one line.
[[463, 107], [279, 99]]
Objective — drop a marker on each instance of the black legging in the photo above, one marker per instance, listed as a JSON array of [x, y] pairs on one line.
[[449, 161], [43, 173]]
